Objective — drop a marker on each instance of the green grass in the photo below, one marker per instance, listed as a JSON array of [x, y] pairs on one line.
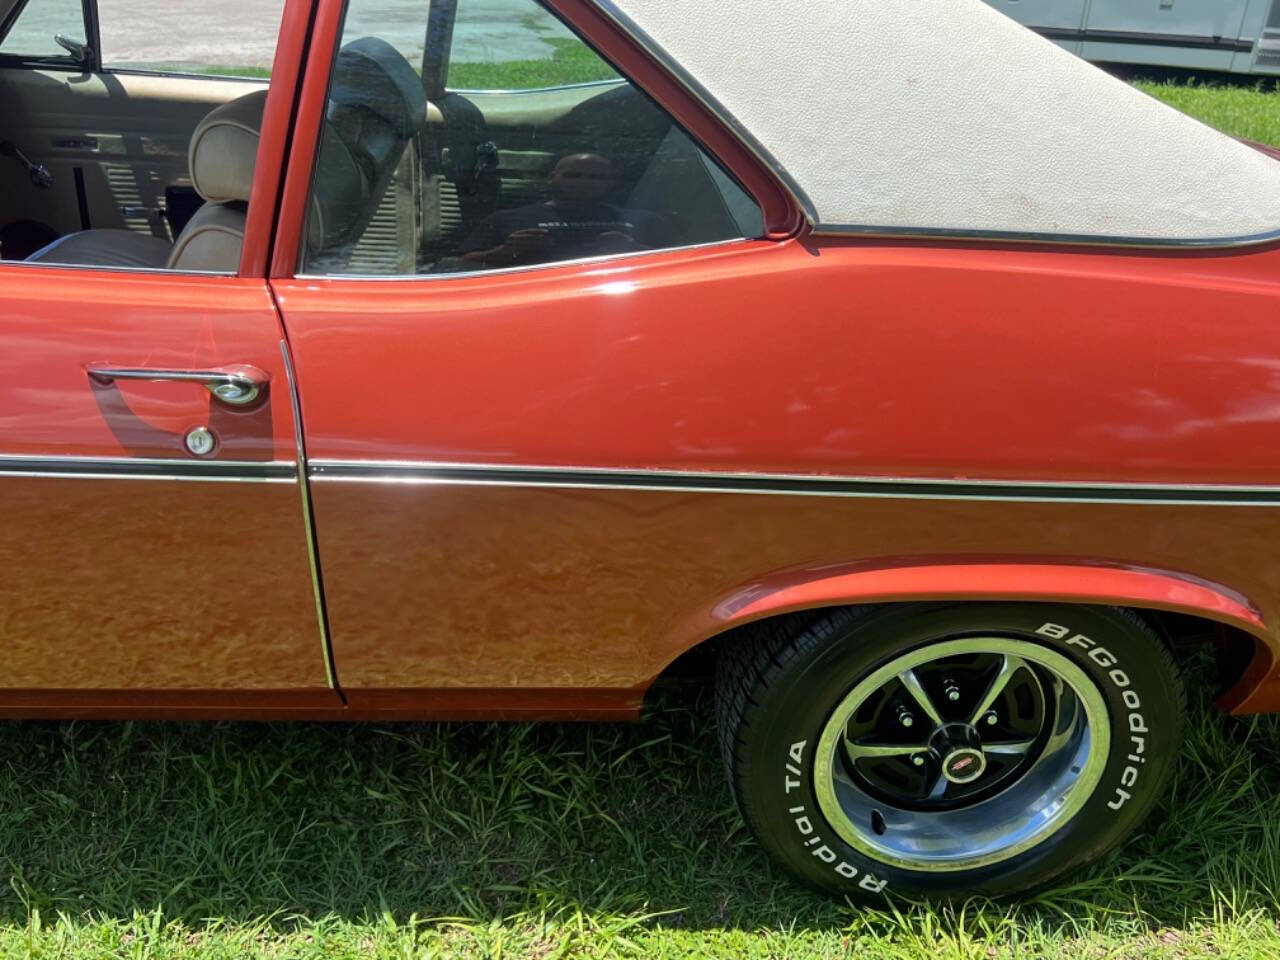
[[570, 62], [246, 73], [1251, 112], [236, 840]]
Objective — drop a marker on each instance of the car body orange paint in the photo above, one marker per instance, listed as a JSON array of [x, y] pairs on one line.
[[478, 595]]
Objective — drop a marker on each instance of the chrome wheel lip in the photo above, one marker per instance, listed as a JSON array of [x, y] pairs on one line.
[[1053, 815]]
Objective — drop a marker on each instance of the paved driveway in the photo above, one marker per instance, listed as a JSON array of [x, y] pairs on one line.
[[243, 32]]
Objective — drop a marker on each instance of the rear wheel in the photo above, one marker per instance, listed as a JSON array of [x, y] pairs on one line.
[[947, 749]]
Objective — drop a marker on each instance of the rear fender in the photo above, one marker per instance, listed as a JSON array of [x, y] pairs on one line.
[[1143, 588]]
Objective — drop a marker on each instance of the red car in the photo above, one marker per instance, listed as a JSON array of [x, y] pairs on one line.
[[497, 357]]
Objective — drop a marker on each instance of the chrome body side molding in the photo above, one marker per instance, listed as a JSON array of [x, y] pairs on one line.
[[371, 471], [142, 468], [470, 474]]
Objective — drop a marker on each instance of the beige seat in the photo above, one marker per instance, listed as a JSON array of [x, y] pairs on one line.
[[223, 149], [376, 106]]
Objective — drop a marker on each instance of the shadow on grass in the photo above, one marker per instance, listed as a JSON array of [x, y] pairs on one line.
[[479, 822]]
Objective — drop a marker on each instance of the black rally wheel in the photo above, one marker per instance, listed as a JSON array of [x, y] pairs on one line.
[[947, 749]]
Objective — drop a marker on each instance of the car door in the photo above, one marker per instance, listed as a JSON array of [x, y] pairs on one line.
[[518, 324], [153, 544]]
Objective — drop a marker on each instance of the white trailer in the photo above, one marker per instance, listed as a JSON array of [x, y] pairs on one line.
[[1237, 36]]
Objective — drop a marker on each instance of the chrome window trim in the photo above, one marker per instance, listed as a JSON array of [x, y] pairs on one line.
[[820, 229], [866, 487], [181, 75], [1041, 239], [605, 260], [497, 91], [152, 271], [149, 468]]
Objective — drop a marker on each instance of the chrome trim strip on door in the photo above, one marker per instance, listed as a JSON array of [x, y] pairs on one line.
[[603, 260], [868, 231], [909, 488], [309, 525], [145, 468]]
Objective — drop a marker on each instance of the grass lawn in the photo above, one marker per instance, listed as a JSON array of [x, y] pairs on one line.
[[239, 840], [570, 62], [1252, 112], [243, 841]]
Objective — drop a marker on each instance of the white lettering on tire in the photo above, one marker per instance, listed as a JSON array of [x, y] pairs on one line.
[[793, 778], [1105, 659]]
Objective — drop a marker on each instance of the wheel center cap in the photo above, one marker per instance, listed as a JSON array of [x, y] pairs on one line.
[[963, 765]]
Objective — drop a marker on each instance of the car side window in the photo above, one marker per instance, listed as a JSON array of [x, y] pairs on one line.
[[34, 33], [545, 54], [184, 37], [508, 142], [150, 36]]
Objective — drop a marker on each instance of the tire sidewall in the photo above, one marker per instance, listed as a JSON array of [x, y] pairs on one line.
[[1119, 654]]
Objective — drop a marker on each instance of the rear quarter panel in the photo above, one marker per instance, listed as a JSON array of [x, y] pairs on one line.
[[805, 357]]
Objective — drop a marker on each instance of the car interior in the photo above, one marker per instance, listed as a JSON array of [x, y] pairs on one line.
[[152, 168]]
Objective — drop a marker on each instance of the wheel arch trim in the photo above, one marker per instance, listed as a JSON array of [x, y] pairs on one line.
[[1141, 588]]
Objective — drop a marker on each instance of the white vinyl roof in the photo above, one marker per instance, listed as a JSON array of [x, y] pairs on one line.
[[944, 116]]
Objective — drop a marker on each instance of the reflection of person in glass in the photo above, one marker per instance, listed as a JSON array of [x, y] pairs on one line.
[[575, 222]]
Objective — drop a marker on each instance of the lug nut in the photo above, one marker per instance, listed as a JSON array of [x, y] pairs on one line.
[[905, 718], [918, 760], [951, 690], [991, 718]]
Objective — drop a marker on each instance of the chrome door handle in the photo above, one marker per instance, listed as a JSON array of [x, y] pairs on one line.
[[238, 385]]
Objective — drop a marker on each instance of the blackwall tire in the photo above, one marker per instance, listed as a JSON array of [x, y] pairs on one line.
[[865, 756]]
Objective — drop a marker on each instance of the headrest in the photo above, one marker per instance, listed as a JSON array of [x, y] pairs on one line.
[[370, 73], [224, 147], [376, 104]]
